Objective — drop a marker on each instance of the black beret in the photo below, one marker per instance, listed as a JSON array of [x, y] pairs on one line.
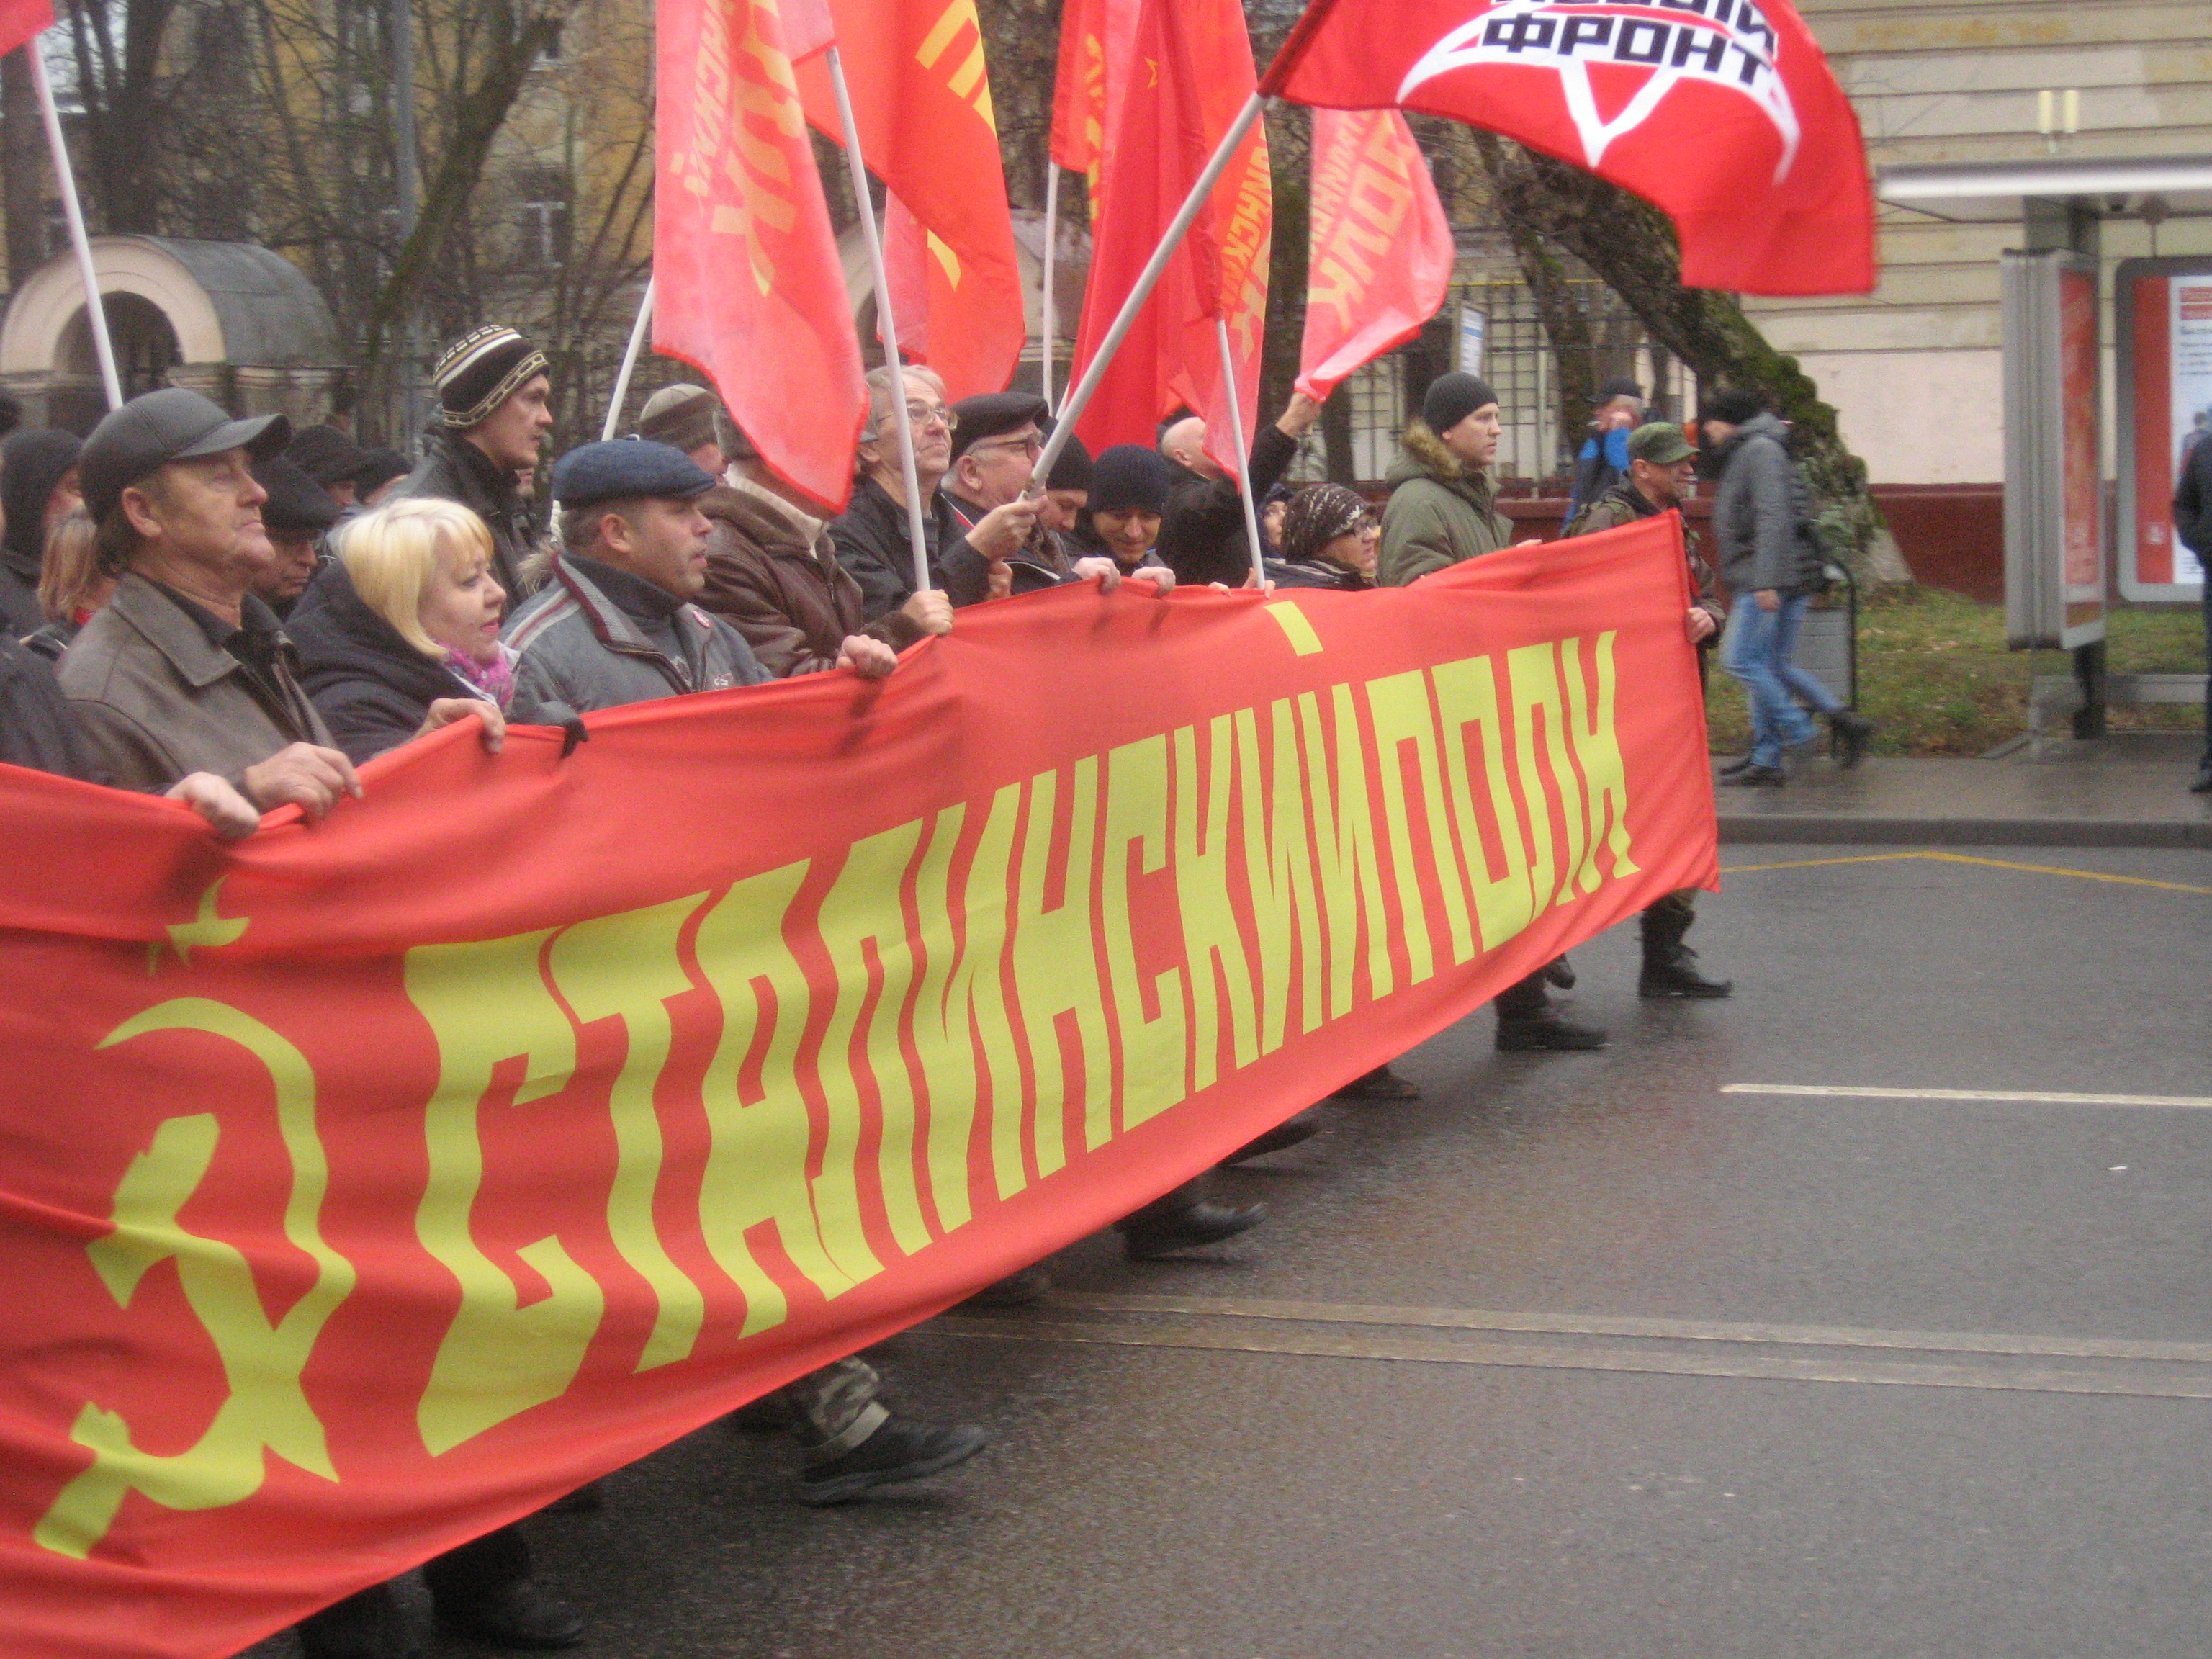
[[623, 469], [995, 413], [297, 505]]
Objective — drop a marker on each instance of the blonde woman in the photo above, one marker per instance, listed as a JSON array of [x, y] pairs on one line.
[[71, 585], [399, 633]]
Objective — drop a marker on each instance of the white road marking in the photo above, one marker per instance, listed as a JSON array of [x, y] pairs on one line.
[[2031, 1096]]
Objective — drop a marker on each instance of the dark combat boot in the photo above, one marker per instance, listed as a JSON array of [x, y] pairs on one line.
[[1670, 967]]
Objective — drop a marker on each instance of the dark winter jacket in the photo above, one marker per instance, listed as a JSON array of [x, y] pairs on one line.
[[1625, 504], [36, 727], [1762, 513], [31, 464], [1202, 533], [2192, 503], [597, 637], [793, 602], [454, 469], [1440, 515], [1042, 562], [1315, 573], [872, 545], [373, 688]]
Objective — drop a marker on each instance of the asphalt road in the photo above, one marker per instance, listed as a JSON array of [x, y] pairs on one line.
[[1588, 1355]]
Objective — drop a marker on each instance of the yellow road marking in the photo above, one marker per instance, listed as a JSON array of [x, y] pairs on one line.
[[1965, 858], [1296, 626]]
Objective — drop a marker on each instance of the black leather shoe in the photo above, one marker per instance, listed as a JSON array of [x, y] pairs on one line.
[[1560, 973], [1757, 777], [516, 1614], [2203, 784], [1519, 1037], [1676, 974], [1289, 1133], [1020, 1290], [1380, 1083], [1146, 1235], [1852, 730], [900, 1449], [1741, 764]]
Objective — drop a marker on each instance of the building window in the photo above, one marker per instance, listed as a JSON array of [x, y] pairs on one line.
[[541, 216]]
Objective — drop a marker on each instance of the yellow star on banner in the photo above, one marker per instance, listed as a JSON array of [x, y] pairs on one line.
[[207, 929]]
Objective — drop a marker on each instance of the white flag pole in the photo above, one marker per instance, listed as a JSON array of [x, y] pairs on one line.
[[95, 316], [886, 325], [637, 335], [1094, 371], [1243, 455], [1047, 323]]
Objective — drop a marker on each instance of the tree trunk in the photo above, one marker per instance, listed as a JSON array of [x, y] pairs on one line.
[[23, 167], [1631, 247]]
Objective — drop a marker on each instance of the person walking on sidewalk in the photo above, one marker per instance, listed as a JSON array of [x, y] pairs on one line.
[[1660, 464], [1772, 565], [2192, 522]]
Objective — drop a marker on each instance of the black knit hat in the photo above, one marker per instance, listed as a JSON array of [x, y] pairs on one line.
[[325, 454], [31, 464], [1072, 470], [1452, 397], [379, 467], [481, 370], [1128, 478], [1734, 404]]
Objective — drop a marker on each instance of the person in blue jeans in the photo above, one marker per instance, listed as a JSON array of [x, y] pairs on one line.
[[1762, 524]]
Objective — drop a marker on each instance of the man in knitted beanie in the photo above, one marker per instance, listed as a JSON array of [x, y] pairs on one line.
[[1441, 509], [494, 411]]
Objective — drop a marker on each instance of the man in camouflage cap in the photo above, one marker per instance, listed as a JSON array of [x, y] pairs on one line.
[[1660, 465]]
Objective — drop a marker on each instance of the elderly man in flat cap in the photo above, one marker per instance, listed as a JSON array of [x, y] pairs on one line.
[[297, 515], [494, 411]]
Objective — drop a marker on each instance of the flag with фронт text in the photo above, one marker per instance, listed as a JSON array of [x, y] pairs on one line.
[[22, 20], [370, 1184], [921, 100], [1090, 79], [1190, 73], [747, 284], [1381, 252], [1723, 114]]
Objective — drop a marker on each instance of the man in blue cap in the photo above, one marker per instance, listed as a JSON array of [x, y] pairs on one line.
[[617, 623]]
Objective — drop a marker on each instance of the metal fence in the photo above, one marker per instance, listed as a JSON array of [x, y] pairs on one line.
[[1492, 325]]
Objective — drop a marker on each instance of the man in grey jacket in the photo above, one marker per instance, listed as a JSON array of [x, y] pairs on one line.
[[1772, 567]]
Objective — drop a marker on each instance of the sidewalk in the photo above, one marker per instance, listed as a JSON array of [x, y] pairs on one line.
[[2131, 789]]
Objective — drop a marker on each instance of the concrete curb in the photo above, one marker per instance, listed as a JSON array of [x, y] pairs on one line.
[[1860, 830]]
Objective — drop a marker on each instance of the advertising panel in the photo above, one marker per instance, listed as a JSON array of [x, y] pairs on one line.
[[2164, 315], [2055, 572]]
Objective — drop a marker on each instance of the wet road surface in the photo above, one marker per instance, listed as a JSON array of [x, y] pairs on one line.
[[1592, 1355]]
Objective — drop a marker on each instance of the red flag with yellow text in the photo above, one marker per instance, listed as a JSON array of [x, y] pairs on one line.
[[1092, 77], [746, 280], [368, 1185], [922, 99], [1724, 115], [1381, 252], [1190, 73]]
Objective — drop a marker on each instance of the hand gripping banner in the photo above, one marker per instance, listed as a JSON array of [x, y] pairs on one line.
[[367, 1186]]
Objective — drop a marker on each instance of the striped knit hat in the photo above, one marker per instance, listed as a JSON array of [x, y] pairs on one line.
[[480, 370]]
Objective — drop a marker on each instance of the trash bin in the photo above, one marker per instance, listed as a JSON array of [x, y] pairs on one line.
[[1828, 639]]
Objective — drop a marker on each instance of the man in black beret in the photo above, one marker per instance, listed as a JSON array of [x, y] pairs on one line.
[[328, 457], [297, 515], [494, 411]]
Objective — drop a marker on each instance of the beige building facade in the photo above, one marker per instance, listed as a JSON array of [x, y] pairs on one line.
[[1915, 367]]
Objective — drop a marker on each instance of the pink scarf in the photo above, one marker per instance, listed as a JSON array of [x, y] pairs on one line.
[[495, 678]]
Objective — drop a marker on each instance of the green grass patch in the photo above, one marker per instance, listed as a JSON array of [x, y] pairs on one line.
[[1935, 673]]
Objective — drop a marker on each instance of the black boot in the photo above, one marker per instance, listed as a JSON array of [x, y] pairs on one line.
[[1182, 1220], [1526, 1023], [1560, 973], [1289, 1133], [900, 1450], [1852, 729], [367, 1625], [484, 1590], [1670, 966]]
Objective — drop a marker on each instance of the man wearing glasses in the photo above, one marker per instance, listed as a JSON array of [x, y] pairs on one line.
[[870, 535], [994, 450]]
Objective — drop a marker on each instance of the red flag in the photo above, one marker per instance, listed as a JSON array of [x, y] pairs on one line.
[[1381, 253], [22, 20], [1094, 40], [1723, 114], [747, 284], [923, 101], [1191, 72], [370, 1184]]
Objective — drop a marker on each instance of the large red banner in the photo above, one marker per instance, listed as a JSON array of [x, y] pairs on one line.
[[1724, 114], [369, 1185]]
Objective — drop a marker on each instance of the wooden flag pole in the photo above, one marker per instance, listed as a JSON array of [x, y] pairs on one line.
[[1094, 371], [96, 315], [630, 355], [886, 325], [1243, 454]]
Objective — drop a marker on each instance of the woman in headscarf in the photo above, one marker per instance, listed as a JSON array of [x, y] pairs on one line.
[[1326, 541]]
